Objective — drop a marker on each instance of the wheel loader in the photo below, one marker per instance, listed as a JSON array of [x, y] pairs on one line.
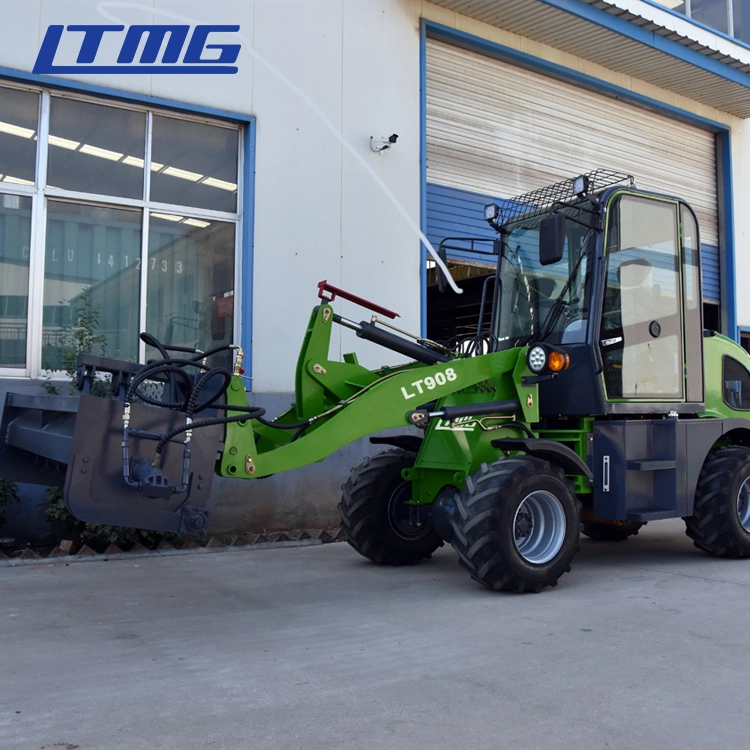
[[589, 399]]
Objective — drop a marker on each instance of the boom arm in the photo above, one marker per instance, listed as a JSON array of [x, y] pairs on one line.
[[354, 402]]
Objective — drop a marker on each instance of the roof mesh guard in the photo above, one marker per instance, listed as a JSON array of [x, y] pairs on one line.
[[542, 199]]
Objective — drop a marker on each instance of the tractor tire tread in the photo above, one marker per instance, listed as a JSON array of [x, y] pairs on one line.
[[474, 536], [362, 512], [712, 527]]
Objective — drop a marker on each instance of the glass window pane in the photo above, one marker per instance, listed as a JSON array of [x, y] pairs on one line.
[[191, 283], [15, 234], [94, 249], [94, 148], [19, 113], [711, 12], [641, 327], [193, 164], [736, 384], [742, 20], [691, 290]]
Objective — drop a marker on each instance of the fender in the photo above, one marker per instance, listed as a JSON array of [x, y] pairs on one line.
[[549, 450], [406, 442]]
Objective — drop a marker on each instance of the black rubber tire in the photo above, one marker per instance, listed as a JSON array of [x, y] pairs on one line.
[[484, 524], [611, 532], [715, 525], [373, 517]]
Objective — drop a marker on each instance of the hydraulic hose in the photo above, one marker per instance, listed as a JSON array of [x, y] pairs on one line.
[[174, 369]]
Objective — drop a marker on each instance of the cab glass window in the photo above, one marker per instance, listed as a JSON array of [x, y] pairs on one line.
[[736, 381], [641, 326]]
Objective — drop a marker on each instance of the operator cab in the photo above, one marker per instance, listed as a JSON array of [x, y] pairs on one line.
[[612, 275]]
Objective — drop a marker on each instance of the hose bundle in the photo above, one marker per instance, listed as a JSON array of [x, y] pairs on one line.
[[184, 395]]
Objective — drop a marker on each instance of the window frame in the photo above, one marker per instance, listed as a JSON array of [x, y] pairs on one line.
[[40, 193]]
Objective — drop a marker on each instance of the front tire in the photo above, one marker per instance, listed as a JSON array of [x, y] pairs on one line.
[[720, 524], [375, 516], [517, 524]]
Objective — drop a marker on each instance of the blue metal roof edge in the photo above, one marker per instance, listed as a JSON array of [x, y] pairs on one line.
[[651, 39]]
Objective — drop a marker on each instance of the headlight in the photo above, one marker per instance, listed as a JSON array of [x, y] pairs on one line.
[[543, 358], [537, 359]]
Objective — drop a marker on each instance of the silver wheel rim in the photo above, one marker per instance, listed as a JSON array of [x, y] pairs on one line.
[[539, 527], [743, 505], [406, 520]]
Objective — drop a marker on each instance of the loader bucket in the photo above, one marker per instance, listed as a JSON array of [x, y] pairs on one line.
[[95, 490]]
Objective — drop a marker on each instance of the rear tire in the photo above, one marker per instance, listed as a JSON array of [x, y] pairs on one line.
[[517, 524], [611, 532], [375, 518], [720, 524]]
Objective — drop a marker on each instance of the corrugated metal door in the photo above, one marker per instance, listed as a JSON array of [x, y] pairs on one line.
[[494, 129]]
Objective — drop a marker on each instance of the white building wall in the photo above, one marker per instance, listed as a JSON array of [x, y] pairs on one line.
[[320, 213]]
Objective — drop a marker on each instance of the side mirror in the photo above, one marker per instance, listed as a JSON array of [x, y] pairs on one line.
[[552, 239]]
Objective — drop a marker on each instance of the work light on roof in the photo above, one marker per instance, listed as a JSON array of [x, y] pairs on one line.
[[491, 212], [581, 185]]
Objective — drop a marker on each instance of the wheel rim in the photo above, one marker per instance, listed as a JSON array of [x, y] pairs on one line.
[[406, 520], [539, 527], [743, 504]]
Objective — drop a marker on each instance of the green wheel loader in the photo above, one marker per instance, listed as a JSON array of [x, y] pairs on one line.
[[589, 399]]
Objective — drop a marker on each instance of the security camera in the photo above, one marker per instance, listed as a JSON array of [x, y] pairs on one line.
[[378, 145]]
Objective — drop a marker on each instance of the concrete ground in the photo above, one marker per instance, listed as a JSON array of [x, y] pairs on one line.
[[644, 645]]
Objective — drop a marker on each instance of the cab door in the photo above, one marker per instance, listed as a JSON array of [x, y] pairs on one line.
[[641, 327]]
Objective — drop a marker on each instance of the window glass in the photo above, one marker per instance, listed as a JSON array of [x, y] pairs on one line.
[[742, 20], [15, 235], [191, 282], [19, 112], [736, 384], [194, 164], [94, 148], [93, 244], [92, 253], [641, 326], [548, 302], [690, 249], [713, 13], [693, 317]]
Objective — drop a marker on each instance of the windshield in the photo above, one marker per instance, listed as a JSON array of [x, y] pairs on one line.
[[543, 303]]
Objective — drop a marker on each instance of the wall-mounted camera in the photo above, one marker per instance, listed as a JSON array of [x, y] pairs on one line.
[[378, 145]]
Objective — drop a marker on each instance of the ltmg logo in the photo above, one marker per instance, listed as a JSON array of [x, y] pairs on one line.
[[85, 40]]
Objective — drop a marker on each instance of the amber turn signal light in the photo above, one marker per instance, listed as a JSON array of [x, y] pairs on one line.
[[558, 361]]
